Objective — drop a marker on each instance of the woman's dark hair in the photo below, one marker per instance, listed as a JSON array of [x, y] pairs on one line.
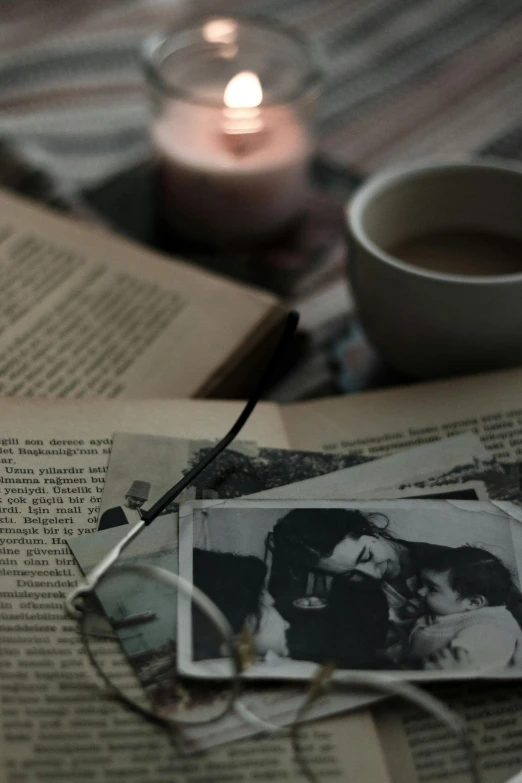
[[303, 537], [235, 583], [310, 534]]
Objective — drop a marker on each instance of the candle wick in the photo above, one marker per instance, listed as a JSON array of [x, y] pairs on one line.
[[239, 144], [242, 144]]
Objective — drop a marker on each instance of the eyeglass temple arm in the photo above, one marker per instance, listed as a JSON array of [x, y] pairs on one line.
[[161, 504], [94, 576], [89, 583]]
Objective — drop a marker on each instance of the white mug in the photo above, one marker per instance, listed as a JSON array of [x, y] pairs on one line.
[[425, 323]]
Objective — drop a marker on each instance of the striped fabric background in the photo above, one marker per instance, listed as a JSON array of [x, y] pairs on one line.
[[405, 78]]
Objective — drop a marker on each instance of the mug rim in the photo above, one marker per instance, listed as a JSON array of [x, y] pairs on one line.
[[395, 174]]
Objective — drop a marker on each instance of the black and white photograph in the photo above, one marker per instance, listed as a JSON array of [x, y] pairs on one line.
[[144, 467], [419, 589]]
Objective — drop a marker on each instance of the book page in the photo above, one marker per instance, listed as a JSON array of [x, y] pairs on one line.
[[56, 721], [88, 314], [378, 423], [419, 750]]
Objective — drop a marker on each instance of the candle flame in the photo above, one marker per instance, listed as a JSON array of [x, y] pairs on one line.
[[243, 91]]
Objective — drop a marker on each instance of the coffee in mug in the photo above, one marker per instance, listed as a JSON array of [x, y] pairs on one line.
[[436, 267], [462, 252]]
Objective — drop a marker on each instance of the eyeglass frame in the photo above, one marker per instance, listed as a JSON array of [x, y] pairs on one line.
[[88, 585]]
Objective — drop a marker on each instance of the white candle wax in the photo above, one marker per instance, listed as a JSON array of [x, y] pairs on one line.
[[223, 188]]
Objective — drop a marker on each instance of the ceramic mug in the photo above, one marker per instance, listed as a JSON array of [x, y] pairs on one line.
[[428, 323]]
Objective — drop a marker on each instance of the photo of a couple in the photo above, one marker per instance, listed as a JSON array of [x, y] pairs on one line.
[[425, 587]]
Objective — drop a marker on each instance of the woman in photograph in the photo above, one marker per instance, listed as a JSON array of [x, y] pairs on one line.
[[373, 600]]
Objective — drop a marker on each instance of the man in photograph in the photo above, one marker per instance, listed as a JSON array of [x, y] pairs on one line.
[[129, 512]]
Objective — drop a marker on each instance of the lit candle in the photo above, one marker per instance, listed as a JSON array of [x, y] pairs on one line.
[[233, 166], [235, 174]]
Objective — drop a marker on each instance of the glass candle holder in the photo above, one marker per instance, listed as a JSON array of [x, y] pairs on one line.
[[233, 101]]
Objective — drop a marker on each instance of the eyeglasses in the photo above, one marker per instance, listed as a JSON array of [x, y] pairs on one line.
[[123, 603], [127, 612]]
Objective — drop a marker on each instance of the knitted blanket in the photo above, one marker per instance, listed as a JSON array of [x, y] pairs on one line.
[[404, 78]]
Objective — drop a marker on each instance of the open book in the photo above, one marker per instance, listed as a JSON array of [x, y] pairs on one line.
[[56, 723], [88, 314]]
